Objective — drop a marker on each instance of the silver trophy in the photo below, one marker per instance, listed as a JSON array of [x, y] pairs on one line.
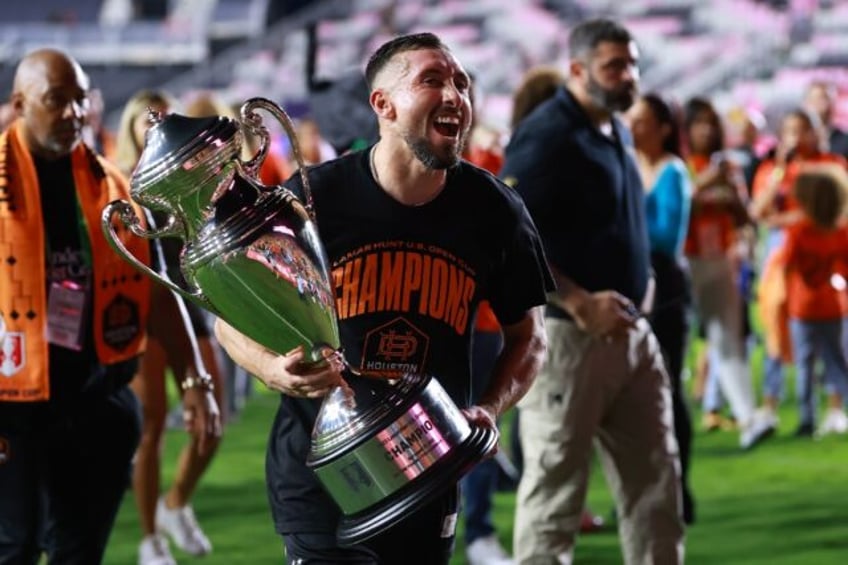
[[251, 255]]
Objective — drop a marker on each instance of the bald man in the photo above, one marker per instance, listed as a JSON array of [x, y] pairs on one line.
[[73, 318], [405, 218]]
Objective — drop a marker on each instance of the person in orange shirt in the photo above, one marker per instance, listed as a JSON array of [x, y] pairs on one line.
[[799, 144], [713, 248], [775, 207], [816, 251]]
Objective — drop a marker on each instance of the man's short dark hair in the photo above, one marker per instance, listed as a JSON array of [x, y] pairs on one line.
[[412, 42], [587, 35]]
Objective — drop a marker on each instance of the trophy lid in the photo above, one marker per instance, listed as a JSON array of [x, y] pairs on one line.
[[177, 142]]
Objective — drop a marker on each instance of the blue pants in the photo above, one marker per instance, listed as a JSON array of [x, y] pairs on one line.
[[822, 338], [773, 377]]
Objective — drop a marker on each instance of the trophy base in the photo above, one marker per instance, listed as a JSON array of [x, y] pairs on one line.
[[358, 527]]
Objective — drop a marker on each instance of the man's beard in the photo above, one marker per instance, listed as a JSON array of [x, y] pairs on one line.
[[426, 153], [611, 100]]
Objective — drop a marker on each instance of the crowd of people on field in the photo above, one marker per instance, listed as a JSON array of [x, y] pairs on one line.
[[619, 228]]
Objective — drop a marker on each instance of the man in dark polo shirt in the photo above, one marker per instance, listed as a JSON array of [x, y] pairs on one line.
[[573, 163]]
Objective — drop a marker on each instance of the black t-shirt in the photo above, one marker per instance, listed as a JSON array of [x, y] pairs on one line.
[[584, 192], [412, 273], [67, 260]]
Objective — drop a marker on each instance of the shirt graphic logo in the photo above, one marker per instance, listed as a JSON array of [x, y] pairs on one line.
[[395, 349], [405, 277], [398, 347]]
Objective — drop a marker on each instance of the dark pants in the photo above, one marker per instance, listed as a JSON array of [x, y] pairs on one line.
[[62, 484], [671, 326], [425, 538], [480, 484]]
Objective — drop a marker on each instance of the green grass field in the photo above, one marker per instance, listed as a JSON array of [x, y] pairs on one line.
[[784, 503]]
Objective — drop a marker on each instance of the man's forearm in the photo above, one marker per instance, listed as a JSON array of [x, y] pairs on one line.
[[520, 359], [245, 352]]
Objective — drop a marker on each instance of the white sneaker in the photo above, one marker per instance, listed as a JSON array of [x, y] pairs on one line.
[[835, 422], [760, 427], [487, 551], [154, 550], [182, 526]]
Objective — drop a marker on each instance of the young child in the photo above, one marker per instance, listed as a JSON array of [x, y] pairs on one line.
[[815, 256]]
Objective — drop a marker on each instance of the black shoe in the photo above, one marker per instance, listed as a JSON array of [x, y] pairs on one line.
[[806, 429]]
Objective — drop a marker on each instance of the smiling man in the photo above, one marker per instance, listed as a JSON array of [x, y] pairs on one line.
[[411, 259]]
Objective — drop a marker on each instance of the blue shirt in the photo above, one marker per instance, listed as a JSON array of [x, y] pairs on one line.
[[667, 208]]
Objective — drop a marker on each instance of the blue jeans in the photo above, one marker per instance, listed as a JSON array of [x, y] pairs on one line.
[[822, 338], [478, 486], [773, 377]]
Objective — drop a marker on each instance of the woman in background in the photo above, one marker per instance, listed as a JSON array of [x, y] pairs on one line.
[[171, 513], [668, 198], [716, 247]]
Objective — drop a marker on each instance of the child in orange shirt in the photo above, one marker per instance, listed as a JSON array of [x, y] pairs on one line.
[[815, 253]]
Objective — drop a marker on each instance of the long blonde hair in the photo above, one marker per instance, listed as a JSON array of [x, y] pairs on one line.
[[207, 104], [127, 149]]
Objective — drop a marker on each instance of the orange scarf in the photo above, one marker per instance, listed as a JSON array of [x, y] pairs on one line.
[[120, 294]]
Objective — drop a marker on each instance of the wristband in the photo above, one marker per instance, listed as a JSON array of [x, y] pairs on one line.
[[203, 382]]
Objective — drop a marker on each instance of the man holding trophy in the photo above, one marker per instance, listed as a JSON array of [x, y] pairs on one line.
[[409, 258]]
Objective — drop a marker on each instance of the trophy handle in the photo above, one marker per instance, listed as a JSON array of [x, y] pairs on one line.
[[253, 122], [129, 219]]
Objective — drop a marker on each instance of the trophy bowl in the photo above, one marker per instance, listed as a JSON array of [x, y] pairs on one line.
[[251, 255]]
